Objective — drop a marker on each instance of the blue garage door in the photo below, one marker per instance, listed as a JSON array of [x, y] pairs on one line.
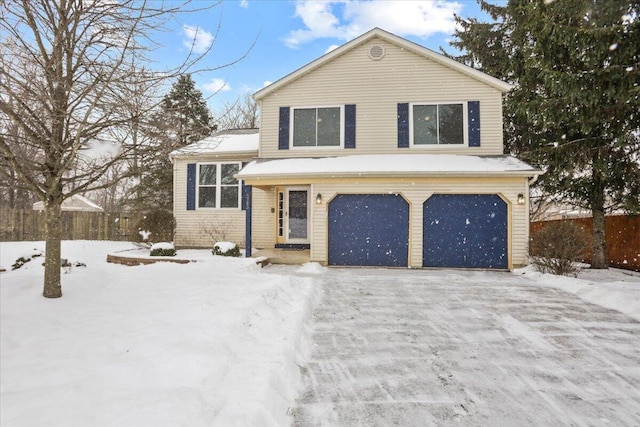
[[369, 230], [465, 231]]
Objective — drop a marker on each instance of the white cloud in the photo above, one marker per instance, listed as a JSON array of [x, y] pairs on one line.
[[216, 85], [346, 19], [244, 4], [245, 88], [266, 83], [196, 38], [332, 47]]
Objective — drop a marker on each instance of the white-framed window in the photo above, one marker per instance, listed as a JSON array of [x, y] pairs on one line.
[[217, 187], [317, 127], [438, 124]]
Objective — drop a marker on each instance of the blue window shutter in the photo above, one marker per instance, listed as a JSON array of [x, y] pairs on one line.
[[474, 123], [350, 126], [191, 187], [283, 129], [403, 125]]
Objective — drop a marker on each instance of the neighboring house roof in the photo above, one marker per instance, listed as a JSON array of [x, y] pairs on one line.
[[74, 203], [391, 38], [231, 141], [399, 165]]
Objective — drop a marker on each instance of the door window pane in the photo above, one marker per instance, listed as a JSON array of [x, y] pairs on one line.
[[297, 214]]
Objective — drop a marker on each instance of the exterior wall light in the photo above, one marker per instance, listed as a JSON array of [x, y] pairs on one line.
[[318, 199], [521, 199]]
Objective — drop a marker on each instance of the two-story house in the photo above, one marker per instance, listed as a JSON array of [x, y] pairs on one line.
[[379, 153]]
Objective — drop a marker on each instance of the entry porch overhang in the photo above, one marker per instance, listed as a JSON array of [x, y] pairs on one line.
[[266, 172]]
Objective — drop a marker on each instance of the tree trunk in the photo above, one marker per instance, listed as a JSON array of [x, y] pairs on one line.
[[599, 258], [53, 237]]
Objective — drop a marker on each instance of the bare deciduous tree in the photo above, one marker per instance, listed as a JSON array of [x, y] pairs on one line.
[[65, 73], [243, 113]]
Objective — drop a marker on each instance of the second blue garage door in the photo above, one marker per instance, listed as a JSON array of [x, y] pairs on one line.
[[369, 230], [465, 231]]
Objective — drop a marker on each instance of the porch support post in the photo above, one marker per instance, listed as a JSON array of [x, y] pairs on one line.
[[247, 239]]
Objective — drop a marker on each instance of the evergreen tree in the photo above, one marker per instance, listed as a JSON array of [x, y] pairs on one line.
[[184, 118], [574, 111]]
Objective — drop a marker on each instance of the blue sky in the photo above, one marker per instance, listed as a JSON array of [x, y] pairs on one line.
[[289, 34]]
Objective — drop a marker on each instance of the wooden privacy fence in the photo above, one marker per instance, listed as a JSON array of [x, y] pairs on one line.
[[26, 224], [623, 238]]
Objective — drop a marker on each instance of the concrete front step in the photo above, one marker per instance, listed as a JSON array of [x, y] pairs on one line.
[[283, 256]]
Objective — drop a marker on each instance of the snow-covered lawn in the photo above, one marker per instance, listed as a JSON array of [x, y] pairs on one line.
[[216, 342], [212, 342], [612, 288]]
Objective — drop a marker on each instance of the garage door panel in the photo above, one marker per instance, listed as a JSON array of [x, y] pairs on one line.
[[465, 231], [368, 230]]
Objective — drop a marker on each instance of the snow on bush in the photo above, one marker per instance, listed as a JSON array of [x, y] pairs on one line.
[[226, 249], [26, 257], [144, 235], [163, 249]]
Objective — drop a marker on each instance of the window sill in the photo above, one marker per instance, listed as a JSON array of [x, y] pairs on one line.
[[322, 147], [217, 209]]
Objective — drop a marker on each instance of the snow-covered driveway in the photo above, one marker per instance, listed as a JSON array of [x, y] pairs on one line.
[[416, 348]]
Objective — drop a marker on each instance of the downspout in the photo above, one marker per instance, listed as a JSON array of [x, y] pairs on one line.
[[174, 170], [530, 181]]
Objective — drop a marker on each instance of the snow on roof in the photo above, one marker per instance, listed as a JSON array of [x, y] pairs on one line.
[[74, 203], [388, 166], [223, 142]]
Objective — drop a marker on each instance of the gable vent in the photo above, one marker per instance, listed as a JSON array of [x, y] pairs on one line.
[[376, 52]]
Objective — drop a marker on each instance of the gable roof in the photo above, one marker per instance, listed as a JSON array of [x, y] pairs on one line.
[[393, 39], [74, 203], [230, 141]]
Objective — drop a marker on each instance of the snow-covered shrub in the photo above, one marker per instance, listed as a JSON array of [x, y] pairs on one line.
[[22, 260], [557, 247], [226, 249], [163, 249], [156, 226]]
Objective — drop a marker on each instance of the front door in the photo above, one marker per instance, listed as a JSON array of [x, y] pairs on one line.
[[293, 215]]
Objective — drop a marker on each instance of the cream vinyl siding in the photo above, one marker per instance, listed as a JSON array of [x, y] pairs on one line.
[[376, 87], [263, 222], [416, 192], [194, 228]]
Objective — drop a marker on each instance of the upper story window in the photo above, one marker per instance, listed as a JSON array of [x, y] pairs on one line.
[[317, 127], [438, 124], [217, 187]]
